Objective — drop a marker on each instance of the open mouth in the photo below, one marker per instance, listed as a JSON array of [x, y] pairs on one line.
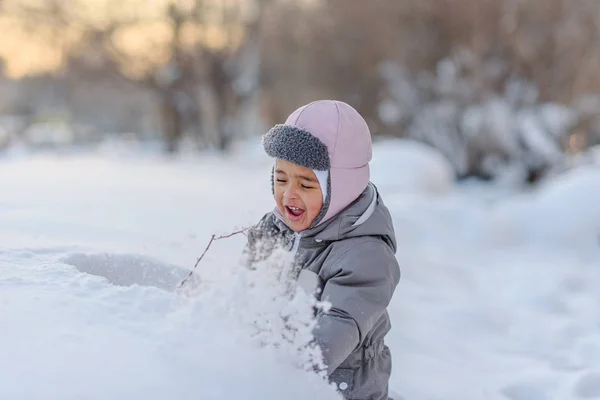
[[294, 213]]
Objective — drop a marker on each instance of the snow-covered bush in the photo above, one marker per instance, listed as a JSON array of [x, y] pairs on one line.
[[481, 130]]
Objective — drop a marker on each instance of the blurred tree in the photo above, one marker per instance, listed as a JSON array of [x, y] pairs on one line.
[[487, 70], [200, 58]]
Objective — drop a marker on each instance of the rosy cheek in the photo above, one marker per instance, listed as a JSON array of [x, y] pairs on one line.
[[316, 208]]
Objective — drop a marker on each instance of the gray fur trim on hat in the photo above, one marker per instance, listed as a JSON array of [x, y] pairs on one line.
[[296, 145]]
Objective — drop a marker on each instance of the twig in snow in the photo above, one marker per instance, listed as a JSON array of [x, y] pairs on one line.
[[212, 239]]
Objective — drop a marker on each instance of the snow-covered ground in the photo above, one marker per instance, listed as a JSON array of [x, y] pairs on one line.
[[498, 299]]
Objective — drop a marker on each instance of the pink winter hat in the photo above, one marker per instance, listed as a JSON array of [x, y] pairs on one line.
[[326, 135]]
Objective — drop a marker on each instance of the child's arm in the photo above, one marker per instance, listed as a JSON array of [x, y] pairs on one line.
[[255, 236], [359, 284]]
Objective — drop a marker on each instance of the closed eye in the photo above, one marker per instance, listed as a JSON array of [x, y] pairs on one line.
[[280, 180], [308, 187]]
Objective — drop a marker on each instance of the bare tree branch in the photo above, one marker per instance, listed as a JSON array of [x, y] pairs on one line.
[[213, 238]]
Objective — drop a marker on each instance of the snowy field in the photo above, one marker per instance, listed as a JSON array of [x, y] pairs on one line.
[[499, 297]]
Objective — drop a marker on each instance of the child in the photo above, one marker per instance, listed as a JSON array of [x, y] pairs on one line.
[[340, 237]]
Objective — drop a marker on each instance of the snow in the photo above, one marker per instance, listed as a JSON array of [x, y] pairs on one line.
[[498, 298], [68, 335], [436, 124], [590, 156], [405, 165], [571, 200], [533, 133]]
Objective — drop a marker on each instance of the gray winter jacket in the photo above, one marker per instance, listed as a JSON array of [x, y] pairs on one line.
[[351, 261]]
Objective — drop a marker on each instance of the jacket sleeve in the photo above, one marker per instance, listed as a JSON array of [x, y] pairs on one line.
[[255, 242], [359, 285]]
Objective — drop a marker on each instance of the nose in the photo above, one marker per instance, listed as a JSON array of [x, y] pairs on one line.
[[290, 193]]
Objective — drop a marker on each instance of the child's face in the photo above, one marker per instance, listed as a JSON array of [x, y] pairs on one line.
[[297, 194]]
